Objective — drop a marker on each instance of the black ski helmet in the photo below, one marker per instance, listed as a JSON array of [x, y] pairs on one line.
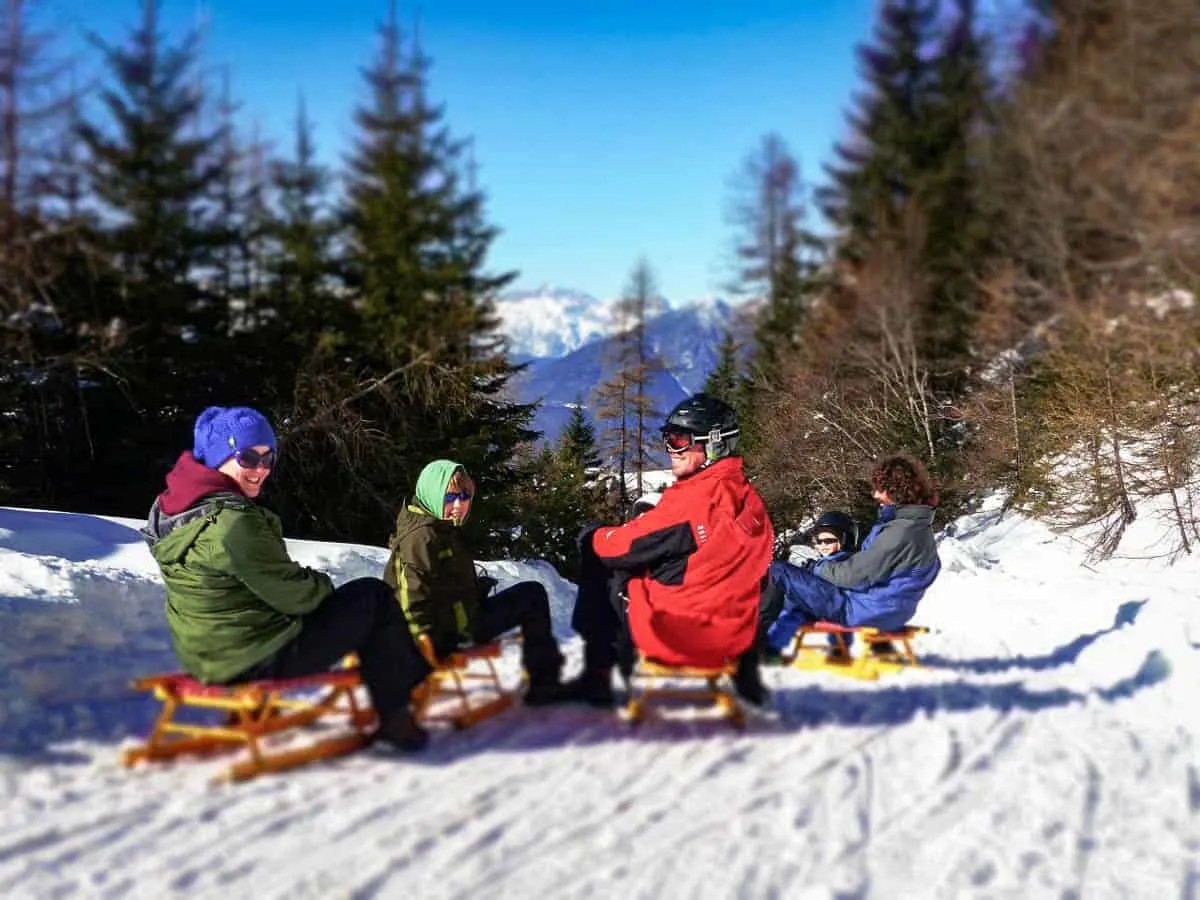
[[711, 421], [840, 524]]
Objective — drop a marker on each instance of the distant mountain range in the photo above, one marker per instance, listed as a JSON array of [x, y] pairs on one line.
[[565, 337]]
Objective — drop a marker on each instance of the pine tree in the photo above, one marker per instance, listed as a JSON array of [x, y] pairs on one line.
[[153, 167], [571, 495], [624, 402], [908, 178], [255, 243], [556, 501], [577, 445], [421, 373], [878, 171], [34, 107], [958, 215], [301, 262], [230, 221], [612, 414], [723, 382], [418, 238], [778, 258], [153, 175]]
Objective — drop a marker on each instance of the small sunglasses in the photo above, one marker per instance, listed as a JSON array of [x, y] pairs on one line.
[[463, 495], [826, 541], [252, 459]]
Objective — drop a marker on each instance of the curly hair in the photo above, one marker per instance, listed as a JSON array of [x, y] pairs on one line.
[[905, 481]]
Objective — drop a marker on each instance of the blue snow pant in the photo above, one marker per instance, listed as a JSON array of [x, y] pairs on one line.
[[802, 597]]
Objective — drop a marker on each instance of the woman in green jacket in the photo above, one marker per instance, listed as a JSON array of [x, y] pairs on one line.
[[240, 609], [433, 574]]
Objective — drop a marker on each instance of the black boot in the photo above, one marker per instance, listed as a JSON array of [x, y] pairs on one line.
[[546, 693], [884, 650], [592, 686], [403, 732], [747, 681]]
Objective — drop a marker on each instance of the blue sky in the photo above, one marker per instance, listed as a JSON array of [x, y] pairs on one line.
[[605, 129]]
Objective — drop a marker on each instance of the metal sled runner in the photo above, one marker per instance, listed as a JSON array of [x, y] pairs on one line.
[[254, 712], [882, 652]]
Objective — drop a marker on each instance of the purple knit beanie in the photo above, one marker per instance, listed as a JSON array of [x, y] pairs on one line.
[[222, 430]]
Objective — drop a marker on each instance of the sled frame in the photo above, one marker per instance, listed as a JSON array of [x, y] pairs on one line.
[[254, 711], [654, 684], [452, 693], [869, 664]]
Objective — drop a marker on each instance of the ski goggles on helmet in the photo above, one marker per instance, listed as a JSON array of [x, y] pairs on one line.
[[680, 440], [252, 459], [676, 440]]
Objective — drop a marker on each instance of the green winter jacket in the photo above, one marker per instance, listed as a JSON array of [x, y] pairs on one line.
[[234, 596], [430, 567]]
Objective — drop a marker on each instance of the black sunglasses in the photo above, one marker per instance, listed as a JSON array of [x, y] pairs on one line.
[[252, 459]]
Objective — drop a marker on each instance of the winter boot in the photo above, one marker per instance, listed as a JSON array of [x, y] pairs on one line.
[[546, 693], [403, 732], [747, 681], [839, 647], [545, 688], [592, 686], [884, 649]]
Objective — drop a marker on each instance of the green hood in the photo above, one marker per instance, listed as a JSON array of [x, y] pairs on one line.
[[432, 484]]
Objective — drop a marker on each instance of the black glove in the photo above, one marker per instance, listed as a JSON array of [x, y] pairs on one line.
[[586, 532], [484, 585]]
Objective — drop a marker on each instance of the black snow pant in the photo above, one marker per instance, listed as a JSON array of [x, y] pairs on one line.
[[599, 614], [361, 617], [523, 605]]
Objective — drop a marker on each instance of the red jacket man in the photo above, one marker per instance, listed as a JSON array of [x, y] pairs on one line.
[[695, 563], [701, 554]]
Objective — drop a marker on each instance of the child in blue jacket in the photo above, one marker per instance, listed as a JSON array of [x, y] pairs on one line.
[[881, 584]]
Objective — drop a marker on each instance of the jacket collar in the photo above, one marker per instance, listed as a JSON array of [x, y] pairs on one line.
[[189, 482], [729, 467]]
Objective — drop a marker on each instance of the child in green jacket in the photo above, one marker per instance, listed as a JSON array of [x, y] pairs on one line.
[[433, 574]]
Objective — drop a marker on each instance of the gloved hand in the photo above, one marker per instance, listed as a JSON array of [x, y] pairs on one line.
[[586, 532], [801, 554]]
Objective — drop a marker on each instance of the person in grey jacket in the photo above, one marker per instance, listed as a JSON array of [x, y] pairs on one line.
[[880, 585]]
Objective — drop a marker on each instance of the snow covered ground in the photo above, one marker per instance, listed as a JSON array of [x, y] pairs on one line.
[[1048, 750]]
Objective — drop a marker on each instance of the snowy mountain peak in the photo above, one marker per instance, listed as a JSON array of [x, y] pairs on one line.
[[551, 321]]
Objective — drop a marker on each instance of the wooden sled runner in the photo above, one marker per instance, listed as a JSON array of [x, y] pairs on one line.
[[459, 694], [254, 712], [654, 684], [879, 652]]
